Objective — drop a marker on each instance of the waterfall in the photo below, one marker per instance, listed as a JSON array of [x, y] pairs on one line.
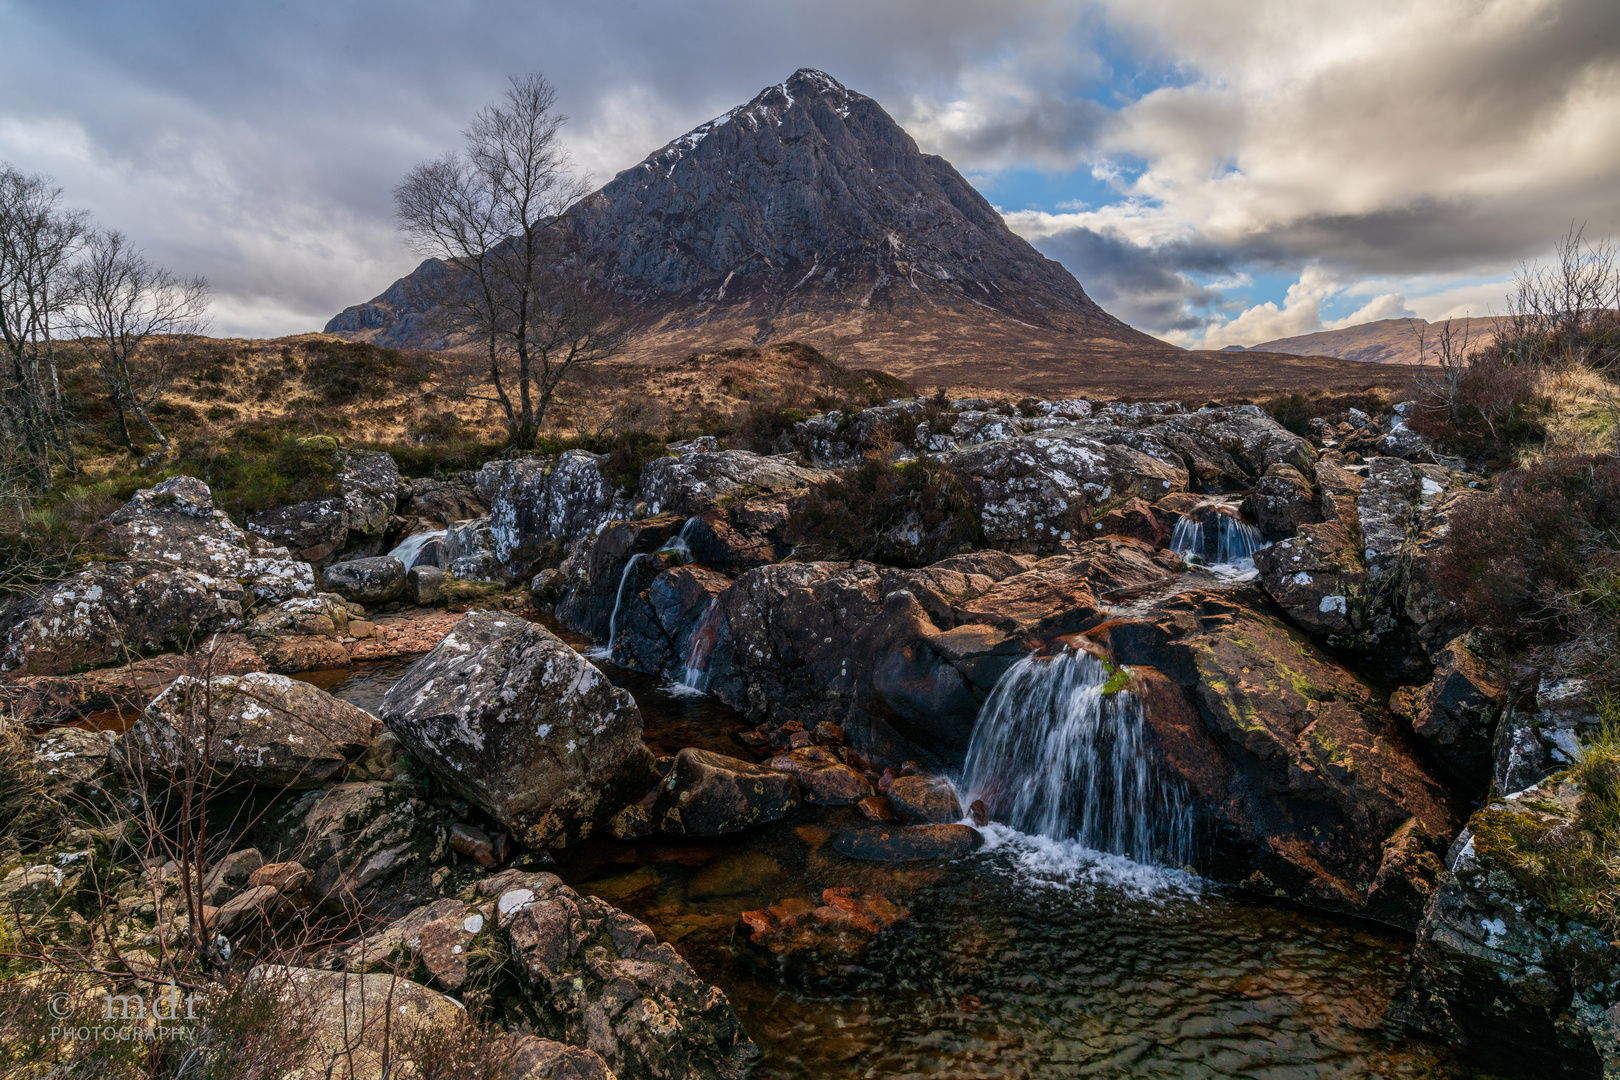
[[680, 547], [1053, 755], [411, 547], [1233, 544], [604, 652], [705, 636]]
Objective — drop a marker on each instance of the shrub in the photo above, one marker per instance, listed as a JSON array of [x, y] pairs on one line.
[[912, 514], [1296, 411], [29, 817], [343, 372]]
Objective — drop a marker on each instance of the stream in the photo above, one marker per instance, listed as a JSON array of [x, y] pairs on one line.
[[1031, 958]]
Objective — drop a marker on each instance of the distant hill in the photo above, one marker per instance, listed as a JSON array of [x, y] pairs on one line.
[[1387, 341], [809, 215]]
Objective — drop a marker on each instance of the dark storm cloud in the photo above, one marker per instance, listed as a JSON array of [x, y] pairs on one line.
[[1150, 287]]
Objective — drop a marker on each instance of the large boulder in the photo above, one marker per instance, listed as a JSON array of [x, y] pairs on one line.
[[469, 552], [1297, 770], [693, 482], [316, 530], [601, 980], [257, 728], [837, 439], [706, 794], [538, 504], [515, 721], [361, 1026], [1503, 969], [595, 576], [177, 524], [1034, 493], [374, 580], [187, 571]]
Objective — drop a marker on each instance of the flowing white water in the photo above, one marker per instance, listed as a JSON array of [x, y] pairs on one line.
[[604, 652], [681, 546], [1054, 756], [411, 547], [1231, 548], [699, 647]]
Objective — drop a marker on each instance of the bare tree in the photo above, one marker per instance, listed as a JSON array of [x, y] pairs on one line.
[[126, 308], [1565, 313], [518, 281], [1441, 387], [38, 242]]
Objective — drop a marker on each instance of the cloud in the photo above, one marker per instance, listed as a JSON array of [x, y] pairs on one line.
[[1424, 147]]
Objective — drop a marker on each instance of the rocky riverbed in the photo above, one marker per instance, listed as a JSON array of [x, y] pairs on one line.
[[685, 795]]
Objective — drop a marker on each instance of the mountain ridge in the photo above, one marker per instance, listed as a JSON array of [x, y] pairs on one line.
[[807, 213]]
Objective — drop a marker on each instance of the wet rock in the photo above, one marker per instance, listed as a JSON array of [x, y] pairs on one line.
[[536, 504], [595, 577], [1455, 714], [840, 928], [1293, 761], [1281, 502], [909, 843], [924, 800], [258, 728], [361, 1023], [1498, 971], [519, 724], [876, 808], [693, 482], [657, 625], [366, 581], [358, 834], [706, 794], [1137, 520], [822, 778], [423, 585], [1031, 494], [470, 555], [600, 979]]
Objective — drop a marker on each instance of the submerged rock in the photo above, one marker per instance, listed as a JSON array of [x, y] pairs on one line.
[[519, 724], [706, 794], [888, 844], [838, 929]]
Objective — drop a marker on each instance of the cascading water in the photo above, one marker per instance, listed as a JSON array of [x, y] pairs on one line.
[[1233, 542], [410, 548], [603, 652], [681, 546], [1054, 755], [701, 646]]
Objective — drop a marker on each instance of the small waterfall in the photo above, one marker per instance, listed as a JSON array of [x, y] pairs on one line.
[[1055, 756], [701, 646], [1220, 540], [603, 652], [681, 546], [410, 548]]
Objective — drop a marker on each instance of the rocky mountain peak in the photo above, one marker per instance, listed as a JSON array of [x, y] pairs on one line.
[[808, 213]]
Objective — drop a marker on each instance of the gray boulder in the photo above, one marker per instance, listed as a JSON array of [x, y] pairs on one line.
[[602, 980], [519, 724], [423, 584], [1034, 493], [376, 580], [257, 728], [537, 503], [469, 552], [692, 483]]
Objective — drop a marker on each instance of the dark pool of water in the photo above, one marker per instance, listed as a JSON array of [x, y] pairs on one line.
[[1026, 960], [359, 684]]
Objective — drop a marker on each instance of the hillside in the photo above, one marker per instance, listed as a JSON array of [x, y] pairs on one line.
[[1387, 341], [808, 214]]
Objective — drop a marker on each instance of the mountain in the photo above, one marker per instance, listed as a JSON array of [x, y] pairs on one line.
[[809, 214], [1387, 341]]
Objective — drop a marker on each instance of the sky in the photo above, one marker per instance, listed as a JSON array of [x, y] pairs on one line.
[[1214, 172]]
